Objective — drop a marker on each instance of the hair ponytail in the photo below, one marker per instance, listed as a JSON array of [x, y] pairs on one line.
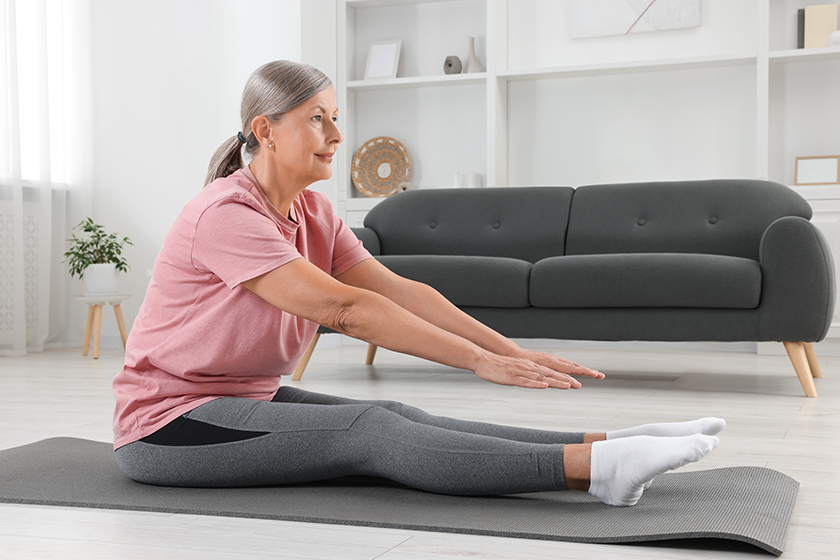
[[226, 160], [273, 90]]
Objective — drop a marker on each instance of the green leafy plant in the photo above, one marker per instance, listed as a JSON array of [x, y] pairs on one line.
[[97, 248]]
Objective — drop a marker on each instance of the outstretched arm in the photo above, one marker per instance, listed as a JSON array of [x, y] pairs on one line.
[[302, 289], [426, 303]]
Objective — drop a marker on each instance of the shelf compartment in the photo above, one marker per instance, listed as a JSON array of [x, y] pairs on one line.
[[429, 31], [635, 67], [443, 129], [586, 130]]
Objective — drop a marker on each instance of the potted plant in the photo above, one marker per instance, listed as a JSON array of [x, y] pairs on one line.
[[96, 258]]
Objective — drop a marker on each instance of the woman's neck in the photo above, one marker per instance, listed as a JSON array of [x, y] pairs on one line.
[[279, 193]]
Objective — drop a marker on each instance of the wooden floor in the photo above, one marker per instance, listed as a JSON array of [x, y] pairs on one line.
[[770, 424]]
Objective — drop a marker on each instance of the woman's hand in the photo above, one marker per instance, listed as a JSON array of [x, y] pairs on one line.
[[536, 371], [559, 364]]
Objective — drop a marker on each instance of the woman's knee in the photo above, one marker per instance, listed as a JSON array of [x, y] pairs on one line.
[[391, 406]]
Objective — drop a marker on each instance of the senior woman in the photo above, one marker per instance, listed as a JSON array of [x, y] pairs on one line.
[[249, 269]]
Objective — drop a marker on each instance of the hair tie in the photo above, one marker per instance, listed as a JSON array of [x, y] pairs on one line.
[[240, 137]]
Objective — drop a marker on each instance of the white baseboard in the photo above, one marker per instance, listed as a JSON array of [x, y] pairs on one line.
[[105, 341]]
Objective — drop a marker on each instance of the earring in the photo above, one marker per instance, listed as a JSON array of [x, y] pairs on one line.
[[271, 145]]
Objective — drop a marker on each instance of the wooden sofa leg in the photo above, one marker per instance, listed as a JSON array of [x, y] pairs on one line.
[[812, 360], [799, 359], [304, 361], [371, 354]]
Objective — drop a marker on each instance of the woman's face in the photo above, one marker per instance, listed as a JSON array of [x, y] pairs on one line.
[[305, 140]]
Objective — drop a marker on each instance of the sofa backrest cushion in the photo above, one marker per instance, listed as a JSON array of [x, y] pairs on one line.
[[721, 217], [521, 223]]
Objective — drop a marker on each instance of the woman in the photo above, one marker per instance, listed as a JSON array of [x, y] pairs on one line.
[[250, 268]]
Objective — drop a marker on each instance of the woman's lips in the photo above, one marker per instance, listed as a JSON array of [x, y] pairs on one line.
[[328, 157]]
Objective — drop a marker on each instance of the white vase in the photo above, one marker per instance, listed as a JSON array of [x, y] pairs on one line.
[[100, 279], [473, 65]]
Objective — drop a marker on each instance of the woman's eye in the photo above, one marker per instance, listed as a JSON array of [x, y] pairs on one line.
[[317, 118], [335, 119]]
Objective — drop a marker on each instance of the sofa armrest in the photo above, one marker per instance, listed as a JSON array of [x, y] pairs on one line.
[[369, 239], [797, 292]]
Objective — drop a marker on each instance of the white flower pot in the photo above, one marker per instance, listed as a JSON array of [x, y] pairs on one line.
[[100, 279]]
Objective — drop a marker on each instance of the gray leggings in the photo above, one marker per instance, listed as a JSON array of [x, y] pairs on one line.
[[311, 437]]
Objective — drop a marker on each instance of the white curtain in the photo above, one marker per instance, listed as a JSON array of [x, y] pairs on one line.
[[42, 58]]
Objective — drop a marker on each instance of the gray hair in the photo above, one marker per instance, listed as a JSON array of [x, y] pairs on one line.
[[273, 90]]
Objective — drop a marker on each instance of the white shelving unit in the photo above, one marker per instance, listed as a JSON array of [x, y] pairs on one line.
[[442, 119], [732, 98], [706, 102]]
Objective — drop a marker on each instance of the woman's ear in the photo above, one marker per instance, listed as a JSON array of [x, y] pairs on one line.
[[261, 127]]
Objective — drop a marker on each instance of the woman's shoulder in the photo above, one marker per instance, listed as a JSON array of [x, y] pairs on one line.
[[234, 188], [235, 184]]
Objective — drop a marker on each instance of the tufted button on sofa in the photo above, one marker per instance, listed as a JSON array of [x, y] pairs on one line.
[[720, 260]]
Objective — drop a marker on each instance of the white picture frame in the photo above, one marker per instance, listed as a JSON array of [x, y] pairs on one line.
[[383, 59], [600, 18], [817, 170]]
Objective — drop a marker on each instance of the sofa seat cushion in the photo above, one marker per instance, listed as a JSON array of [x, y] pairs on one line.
[[468, 280], [646, 280]]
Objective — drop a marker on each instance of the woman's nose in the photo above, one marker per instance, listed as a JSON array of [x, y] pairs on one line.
[[336, 136]]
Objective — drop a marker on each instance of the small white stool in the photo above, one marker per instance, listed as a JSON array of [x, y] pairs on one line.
[[94, 318]]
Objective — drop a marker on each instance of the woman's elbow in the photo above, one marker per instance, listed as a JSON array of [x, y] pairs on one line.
[[348, 316]]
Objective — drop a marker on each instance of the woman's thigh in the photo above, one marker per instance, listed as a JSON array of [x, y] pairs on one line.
[[300, 443]]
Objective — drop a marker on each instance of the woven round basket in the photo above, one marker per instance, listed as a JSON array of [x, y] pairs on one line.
[[379, 167]]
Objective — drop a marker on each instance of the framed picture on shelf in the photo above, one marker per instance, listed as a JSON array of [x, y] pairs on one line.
[[383, 59], [600, 18], [817, 170]]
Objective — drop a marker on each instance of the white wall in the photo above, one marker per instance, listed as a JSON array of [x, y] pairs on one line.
[[318, 48], [167, 80], [627, 127]]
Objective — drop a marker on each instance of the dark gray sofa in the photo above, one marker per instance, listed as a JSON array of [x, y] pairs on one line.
[[721, 260]]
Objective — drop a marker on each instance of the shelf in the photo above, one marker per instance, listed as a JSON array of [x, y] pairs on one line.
[[387, 3], [824, 53], [817, 192], [630, 67], [418, 81], [362, 203]]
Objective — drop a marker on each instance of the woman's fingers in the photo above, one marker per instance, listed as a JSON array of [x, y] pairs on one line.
[[563, 366], [524, 373], [556, 379]]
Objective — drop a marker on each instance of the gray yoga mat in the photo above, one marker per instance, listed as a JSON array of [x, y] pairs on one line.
[[746, 504]]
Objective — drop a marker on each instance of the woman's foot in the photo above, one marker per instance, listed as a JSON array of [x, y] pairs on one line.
[[621, 469], [708, 426]]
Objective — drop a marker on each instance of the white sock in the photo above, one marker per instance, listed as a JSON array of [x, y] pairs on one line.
[[620, 470], [709, 426]]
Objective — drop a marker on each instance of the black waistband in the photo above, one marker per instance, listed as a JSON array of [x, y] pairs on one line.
[[187, 432]]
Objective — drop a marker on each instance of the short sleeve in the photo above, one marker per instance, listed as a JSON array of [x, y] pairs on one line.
[[348, 251], [237, 242]]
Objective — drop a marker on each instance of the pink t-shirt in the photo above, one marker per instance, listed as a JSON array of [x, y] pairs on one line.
[[199, 335]]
